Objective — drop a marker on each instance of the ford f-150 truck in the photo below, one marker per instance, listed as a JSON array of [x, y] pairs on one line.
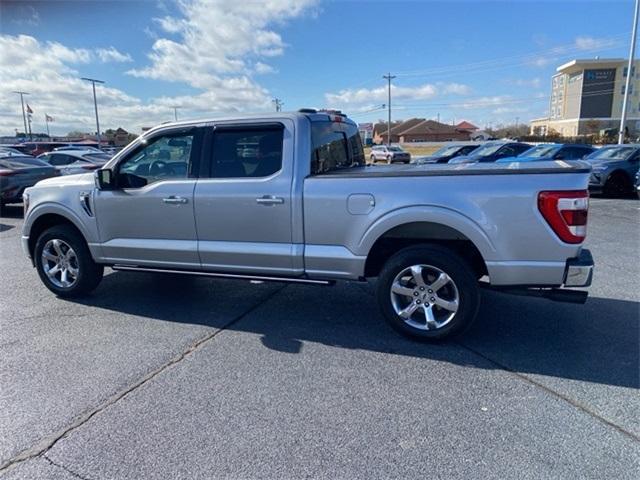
[[288, 197]]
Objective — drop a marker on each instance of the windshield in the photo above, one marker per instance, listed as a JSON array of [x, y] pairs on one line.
[[612, 153], [22, 162], [486, 150], [540, 151], [395, 149], [445, 151]]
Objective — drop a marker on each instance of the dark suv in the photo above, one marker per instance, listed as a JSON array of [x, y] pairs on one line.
[[613, 169]]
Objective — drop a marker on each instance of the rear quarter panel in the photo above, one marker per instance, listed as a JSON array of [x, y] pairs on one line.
[[498, 213]]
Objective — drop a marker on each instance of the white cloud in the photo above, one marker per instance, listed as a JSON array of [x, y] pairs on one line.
[[535, 82], [112, 55], [580, 45], [263, 68], [592, 43], [219, 62], [357, 97], [199, 55]]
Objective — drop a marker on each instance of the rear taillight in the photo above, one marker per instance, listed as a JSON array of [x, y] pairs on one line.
[[566, 213], [6, 173]]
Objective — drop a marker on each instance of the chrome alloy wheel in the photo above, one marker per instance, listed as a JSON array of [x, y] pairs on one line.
[[425, 297], [60, 263]]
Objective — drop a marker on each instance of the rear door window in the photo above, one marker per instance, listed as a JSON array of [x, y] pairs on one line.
[[246, 152]]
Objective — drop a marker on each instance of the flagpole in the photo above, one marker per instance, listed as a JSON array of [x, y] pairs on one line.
[[46, 121]]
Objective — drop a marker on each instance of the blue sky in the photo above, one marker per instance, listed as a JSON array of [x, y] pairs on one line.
[[487, 62]]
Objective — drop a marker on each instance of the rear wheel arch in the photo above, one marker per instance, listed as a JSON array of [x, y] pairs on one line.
[[413, 234]]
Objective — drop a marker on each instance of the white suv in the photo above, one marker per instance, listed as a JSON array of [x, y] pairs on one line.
[[389, 154]]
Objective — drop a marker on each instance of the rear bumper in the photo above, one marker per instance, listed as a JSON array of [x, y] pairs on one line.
[[579, 270]]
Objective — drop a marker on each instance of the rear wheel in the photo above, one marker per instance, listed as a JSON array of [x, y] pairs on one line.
[[389, 159], [372, 158], [428, 293], [64, 262]]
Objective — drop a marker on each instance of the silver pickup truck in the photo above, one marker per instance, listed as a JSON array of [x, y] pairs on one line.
[[288, 197]]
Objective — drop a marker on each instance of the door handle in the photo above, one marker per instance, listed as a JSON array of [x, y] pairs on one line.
[[270, 200], [173, 200]]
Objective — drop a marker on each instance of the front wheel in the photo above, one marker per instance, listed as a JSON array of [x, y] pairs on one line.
[[64, 262], [373, 159], [389, 159], [428, 293], [618, 185]]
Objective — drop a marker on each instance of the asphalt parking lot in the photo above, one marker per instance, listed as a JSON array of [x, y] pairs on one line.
[[173, 377]]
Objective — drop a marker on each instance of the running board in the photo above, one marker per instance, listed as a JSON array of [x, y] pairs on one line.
[[237, 276]]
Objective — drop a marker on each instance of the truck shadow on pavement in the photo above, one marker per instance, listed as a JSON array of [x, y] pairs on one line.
[[596, 342]]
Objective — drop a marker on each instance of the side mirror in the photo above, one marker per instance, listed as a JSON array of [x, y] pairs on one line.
[[105, 179]]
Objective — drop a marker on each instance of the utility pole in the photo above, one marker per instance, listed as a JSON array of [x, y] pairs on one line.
[[278, 103], [24, 115], [175, 112], [517, 120], [46, 121], [95, 105], [632, 51], [388, 77]]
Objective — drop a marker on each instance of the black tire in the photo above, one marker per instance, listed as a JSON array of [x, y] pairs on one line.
[[465, 288], [373, 159], [618, 185], [89, 273], [389, 160]]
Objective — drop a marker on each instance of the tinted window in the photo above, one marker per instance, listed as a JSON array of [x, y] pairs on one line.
[[249, 152], [335, 146], [59, 160], [97, 157], [468, 149], [520, 148], [21, 162], [164, 158]]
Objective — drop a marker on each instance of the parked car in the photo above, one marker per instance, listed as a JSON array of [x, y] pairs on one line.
[[613, 169], [389, 154], [492, 151], [78, 147], [551, 151], [70, 162], [9, 151], [38, 148], [306, 209], [19, 172], [637, 184], [446, 153]]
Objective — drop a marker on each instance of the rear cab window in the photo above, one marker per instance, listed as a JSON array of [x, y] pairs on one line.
[[335, 145]]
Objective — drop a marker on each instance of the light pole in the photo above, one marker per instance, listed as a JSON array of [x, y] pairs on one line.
[[632, 51], [278, 103], [175, 112], [95, 105], [388, 77], [24, 116]]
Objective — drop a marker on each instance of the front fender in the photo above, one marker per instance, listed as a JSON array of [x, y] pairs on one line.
[[432, 214]]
